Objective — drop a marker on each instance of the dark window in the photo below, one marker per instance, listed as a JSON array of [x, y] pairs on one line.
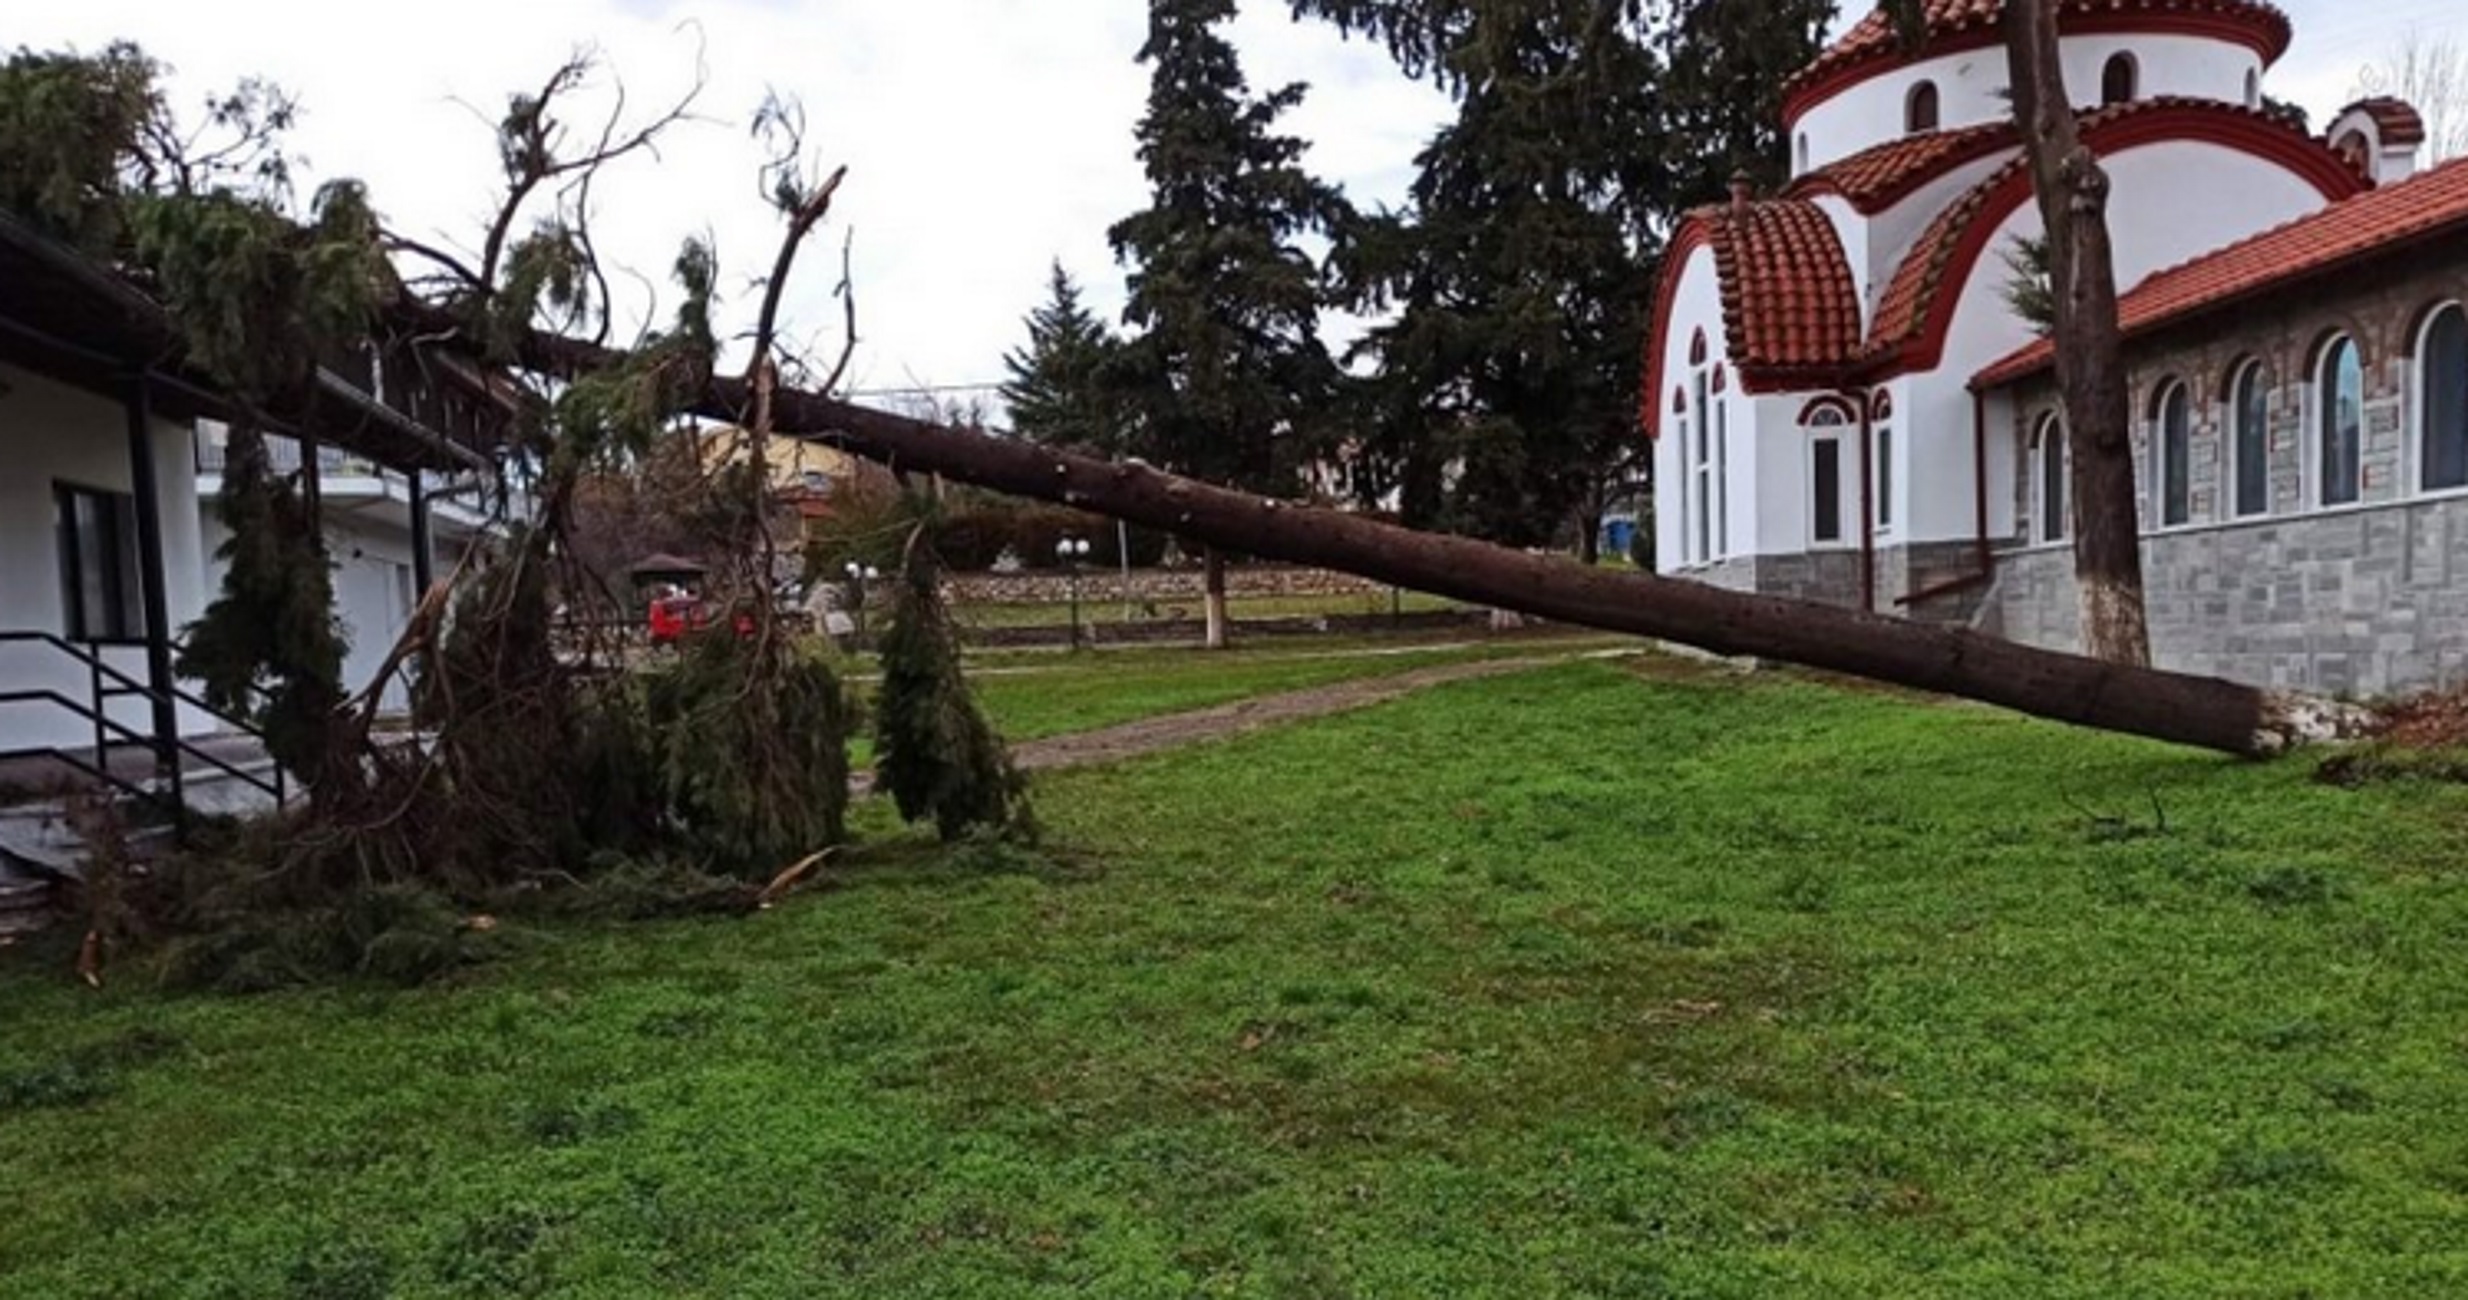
[[1885, 478], [2342, 422], [2052, 481], [2250, 405], [2445, 366], [2175, 445], [100, 593], [1921, 113], [2117, 80], [1826, 518]]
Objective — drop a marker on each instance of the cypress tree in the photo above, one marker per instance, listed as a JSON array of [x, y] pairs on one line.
[[933, 748]]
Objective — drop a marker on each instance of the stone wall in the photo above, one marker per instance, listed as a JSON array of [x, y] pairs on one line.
[[2367, 601], [1832, 577], [1155, 585], [2364, 599]]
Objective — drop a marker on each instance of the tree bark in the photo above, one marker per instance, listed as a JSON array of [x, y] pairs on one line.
[[2200, 711], [2205, 712], [1212, 569], [2072, 189]]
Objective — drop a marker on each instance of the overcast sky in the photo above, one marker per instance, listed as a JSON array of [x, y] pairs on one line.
[[984, 138]]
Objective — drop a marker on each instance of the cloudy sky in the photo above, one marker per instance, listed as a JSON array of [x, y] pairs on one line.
[[984, 138]]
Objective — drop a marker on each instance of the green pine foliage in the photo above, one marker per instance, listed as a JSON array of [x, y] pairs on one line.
[[1063, 390], [933, 748], [2030, 289], [1226, 379], [69, 132], [269, 649], [753, 777], [1521, 274]]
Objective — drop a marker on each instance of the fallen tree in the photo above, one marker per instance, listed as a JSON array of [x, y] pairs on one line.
[[2206, 712]]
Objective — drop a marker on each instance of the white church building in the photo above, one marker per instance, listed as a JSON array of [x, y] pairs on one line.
[[1845, 406]]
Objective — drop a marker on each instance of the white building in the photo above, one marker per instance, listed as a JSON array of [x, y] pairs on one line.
[[369, 538], [107, 528], [1810, 393]]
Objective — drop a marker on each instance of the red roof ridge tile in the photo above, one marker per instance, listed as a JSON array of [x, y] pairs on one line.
[[1906, 303], [2377, 221]]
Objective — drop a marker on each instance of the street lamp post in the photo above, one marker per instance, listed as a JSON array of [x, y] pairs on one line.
[[1072, 550], [858, 576]]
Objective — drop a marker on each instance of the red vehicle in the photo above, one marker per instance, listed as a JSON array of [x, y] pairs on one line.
[[674, 616]]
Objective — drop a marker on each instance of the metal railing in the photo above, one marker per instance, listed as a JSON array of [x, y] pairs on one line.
[[283, 457], [105, 684]]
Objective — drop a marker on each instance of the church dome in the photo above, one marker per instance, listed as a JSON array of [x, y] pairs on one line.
[[1871, 86]]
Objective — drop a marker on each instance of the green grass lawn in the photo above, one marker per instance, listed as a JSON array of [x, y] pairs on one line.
[[1048, 694], [1579, 982]]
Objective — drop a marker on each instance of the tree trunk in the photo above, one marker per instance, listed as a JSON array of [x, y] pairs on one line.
[[2072, 189], [2200, 711], [1212, 568], [2206, 712]]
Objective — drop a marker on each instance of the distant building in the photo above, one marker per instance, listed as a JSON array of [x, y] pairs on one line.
[[808, 477], [1846, 407]]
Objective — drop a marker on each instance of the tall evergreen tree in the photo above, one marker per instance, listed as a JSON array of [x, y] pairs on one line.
[[1226, 376], [1522, 271], [1062, 390]]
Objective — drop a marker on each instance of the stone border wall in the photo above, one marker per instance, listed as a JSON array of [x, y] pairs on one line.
[[1153, 585]]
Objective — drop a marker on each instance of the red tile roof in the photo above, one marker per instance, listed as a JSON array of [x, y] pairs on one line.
[[1909, 304], [2372, 224], [1789, 305], [1873, 44], [2395, 119], [1788, 298], [1877, 178]]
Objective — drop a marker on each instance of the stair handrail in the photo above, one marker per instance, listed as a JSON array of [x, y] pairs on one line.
[[92, 657]]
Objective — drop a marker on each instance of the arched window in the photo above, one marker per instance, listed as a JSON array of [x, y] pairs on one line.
[[1920, 112], [1882, 435], [2339, 423], [2172, 448], [2249, 430], [2253, 88], [1686, 464], [2048, 460], [2442, 401], [1801, 154], [2120, 79], [1828, 485]]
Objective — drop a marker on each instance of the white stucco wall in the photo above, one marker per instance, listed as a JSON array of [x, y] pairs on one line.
[[53, 434], [1971, 86], [368, 538], [2170, 202], [1696, 304]]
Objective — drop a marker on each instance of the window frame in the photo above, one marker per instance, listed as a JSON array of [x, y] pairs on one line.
[[2109, 68], [2051, 527], [2322, 398], [2172, 394], [1883, 518], [2421, 392], [122, 621], [2248, 371], [1923, 92], [1830, 428]]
